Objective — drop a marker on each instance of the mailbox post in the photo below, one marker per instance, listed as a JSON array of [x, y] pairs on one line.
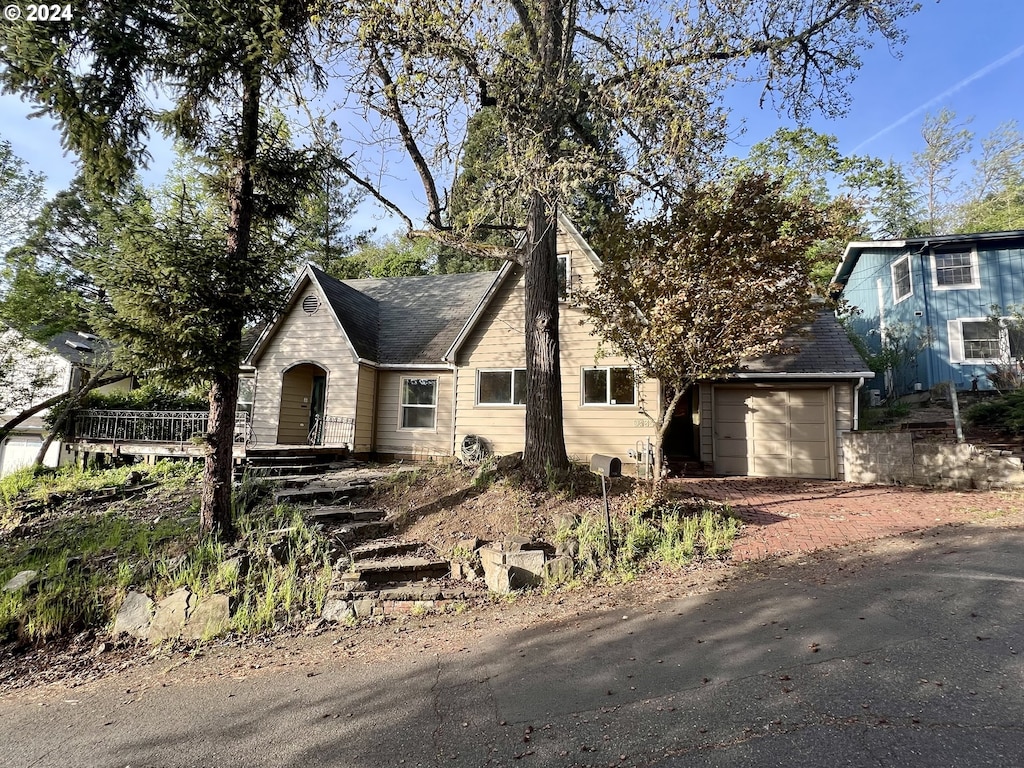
[[606, 466]]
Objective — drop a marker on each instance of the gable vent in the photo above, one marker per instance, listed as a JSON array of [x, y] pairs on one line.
[[310, 304]]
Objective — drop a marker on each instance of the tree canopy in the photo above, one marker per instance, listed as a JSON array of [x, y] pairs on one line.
[[719, 278]]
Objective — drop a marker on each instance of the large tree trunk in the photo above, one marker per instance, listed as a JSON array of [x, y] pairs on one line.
[[215, 500], [544, 451]]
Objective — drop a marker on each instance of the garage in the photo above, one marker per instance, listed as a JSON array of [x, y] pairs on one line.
[[18, 451], [773, 431]]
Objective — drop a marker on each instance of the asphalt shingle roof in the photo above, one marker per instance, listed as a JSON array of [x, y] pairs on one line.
[[405, 320], [819, 347], [80, 348]]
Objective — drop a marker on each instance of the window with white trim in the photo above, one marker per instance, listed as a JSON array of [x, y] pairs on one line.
[[955, 270], [984, 340], [902, 284], [564, 276], [419, 403], [609, 386], [501, 387]]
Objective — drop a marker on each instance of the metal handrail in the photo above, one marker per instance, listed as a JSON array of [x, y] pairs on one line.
[[332, 431]]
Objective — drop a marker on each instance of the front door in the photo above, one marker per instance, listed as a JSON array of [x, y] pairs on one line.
[[317, 402]]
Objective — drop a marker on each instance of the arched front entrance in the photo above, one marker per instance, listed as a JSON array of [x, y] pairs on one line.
[[303, 401]]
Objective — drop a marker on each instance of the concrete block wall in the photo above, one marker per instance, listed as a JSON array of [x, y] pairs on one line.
[[899, 458]]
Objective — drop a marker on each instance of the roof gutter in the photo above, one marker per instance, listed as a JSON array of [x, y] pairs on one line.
[[804, 376]]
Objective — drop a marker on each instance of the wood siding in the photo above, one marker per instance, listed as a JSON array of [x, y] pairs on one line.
[[498, 342], [414, 443], [365, 409], [303, 338]]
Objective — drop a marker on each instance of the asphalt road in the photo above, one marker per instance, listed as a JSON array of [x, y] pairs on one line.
[[907, 659]]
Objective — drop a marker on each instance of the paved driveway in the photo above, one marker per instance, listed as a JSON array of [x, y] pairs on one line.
[[785, 516]]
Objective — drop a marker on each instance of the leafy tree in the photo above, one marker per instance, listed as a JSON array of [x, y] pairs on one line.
[[648, 75], [718, 279], [896, 211], [21, 194], [49, 287], [996, 201], [395, 257], [946, 141], [214, 68]]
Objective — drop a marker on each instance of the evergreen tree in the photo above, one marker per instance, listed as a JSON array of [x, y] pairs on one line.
[[213, 67]]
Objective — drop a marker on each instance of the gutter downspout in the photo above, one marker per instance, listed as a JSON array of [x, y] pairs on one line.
[[455, 408], [856, 404]]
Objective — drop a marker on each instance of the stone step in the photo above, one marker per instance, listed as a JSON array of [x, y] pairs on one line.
[[379, 550], [399, 569], [276, 470], [346, 533], [321, 494], [411, 592], [332, 515]]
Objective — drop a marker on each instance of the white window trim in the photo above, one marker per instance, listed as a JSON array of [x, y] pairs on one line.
[[514, 371], [955, 333], [402, 406], [892, 275], [608, 384], [975, 276], [568, 276]]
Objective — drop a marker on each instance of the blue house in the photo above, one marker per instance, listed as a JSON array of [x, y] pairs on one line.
[[930, 300]]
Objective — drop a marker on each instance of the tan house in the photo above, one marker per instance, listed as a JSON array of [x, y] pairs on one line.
[[413, 366]]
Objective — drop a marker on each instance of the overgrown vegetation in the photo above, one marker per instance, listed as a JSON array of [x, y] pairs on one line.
[[277, 573], [671, 533], [1005, 412]]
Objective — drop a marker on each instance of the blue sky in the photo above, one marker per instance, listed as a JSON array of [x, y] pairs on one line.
[[967, 55]]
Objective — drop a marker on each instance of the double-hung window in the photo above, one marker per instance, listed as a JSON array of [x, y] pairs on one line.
[[902, 283], [984, 340], [501, 387], [609, 386], [955, 270], [419, 403]]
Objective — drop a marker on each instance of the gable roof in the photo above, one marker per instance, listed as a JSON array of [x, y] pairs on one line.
[[918, 244], [418, 318], [392, 321], [357, 313], [818, 349]]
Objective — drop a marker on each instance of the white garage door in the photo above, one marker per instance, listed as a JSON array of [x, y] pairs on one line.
[[773, 432], [18, 451]]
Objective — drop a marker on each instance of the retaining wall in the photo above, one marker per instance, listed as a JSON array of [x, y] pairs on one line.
[[900, 458]]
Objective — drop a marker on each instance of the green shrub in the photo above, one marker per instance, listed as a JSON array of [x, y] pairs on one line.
[[1005, 412]]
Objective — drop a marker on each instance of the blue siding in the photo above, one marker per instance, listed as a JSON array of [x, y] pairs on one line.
[[927, 311]]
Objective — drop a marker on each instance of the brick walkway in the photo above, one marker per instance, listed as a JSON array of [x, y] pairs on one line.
[[785, 516]]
